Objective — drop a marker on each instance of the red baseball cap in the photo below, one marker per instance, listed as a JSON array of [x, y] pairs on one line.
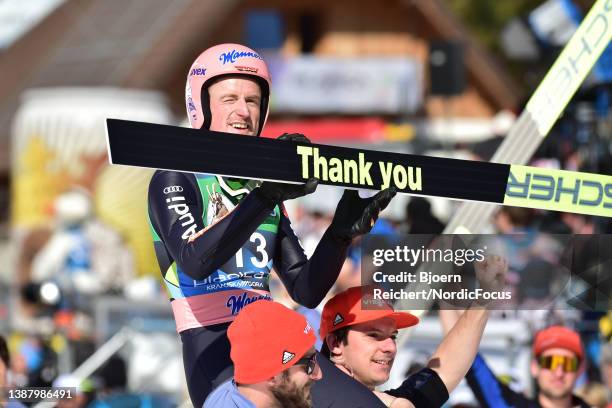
[[345, 309], [558, 337], [267, 338]]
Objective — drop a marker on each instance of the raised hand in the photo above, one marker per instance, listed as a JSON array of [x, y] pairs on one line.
[[491, 273]]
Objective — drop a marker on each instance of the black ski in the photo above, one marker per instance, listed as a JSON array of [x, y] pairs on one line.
[[202, 151]]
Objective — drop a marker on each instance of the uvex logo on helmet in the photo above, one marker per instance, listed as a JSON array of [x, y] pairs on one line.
[[198, 71]]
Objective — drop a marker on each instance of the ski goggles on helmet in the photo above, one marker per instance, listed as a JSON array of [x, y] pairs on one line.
[[569, 364]]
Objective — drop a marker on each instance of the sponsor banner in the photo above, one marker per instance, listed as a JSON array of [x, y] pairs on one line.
[[213, 308], [568, 191], [346, 85]]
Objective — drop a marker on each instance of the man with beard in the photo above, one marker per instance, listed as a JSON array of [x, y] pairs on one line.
[[558, 361], [275, 363]]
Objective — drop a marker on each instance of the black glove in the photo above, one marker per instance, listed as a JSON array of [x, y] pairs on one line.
[[276, 193], [294, 137], [356, 216]]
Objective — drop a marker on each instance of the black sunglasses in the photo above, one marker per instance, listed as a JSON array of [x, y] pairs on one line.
[[309, 361]]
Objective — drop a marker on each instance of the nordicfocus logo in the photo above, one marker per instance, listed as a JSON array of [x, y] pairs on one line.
[[288, 356], [182, 210], [173, 189], [338, 319]]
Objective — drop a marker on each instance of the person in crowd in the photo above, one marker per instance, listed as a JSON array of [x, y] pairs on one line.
[[420, 218], [361, 344], [558, 360], [275, 363]]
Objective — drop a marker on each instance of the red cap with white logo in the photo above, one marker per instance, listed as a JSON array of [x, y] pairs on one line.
[[345, 309], [267, 338]]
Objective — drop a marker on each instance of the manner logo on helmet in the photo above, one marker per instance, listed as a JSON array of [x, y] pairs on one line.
[[173, 189], [287, 356], [246, 69], [198, 71], [233, 55], [338, 319]]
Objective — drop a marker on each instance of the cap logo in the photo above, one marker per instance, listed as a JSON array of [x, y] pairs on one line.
[[338, 319], [287, 356]]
